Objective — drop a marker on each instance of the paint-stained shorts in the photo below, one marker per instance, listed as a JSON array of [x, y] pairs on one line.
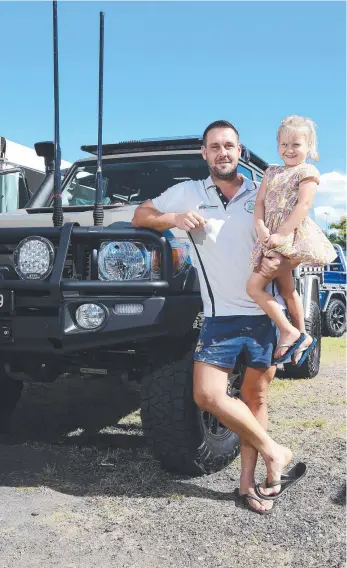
[[223, 338]]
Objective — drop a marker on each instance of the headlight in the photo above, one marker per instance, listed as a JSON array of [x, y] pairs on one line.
[[90, 316], [123, 260], [33, 258], [180, 254]]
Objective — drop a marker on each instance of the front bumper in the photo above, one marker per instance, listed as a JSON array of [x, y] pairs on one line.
[[39, 316], [59, 333]]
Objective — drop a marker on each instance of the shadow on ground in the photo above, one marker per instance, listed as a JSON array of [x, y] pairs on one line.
[[73, 412], [55, 441]]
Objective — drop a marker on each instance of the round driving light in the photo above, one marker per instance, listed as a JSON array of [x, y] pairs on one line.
[[90, 316], [122, 260], [33, 258]]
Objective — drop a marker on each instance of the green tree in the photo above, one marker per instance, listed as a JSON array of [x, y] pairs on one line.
[[339, 237]]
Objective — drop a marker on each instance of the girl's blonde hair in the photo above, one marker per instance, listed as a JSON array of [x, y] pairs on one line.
[[307, 126]]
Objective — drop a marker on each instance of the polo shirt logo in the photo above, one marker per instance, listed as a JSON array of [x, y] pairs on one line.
[[250, 205]]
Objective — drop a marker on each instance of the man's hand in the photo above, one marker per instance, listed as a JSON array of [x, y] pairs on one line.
[[189, 220], [274, 264]]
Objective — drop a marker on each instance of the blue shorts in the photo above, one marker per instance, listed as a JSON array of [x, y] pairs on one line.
[[223, 338]]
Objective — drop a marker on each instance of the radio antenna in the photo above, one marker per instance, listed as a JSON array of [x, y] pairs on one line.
[[58, 217], [98, 213]]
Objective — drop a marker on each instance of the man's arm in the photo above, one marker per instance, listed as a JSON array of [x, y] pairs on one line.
[[146, 215]]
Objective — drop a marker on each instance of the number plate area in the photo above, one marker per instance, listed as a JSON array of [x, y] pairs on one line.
[[6, 308], [6, 301]]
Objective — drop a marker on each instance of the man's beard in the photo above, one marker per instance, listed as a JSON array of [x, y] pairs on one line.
[[223, 175]]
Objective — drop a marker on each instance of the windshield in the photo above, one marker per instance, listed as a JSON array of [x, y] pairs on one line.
[[132, 180]]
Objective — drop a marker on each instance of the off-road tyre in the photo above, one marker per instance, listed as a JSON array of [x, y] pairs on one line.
[[182, 437], [334, 319], [310, 367], [10, 393]]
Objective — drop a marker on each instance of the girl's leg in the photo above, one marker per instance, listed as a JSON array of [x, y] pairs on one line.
[[256, 290], [287, 290]]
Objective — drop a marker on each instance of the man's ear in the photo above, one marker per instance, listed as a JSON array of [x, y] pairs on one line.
[[203, 152], [240, 149]]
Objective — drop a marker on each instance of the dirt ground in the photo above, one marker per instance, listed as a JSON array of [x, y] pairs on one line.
[[78, 488]]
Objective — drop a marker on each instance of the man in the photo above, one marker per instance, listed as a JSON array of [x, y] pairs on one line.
[[217, 214]]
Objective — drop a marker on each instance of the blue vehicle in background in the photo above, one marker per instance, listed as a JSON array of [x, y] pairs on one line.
[[333, 296]]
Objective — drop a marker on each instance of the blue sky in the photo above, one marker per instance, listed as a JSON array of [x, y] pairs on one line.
[[173, 67]]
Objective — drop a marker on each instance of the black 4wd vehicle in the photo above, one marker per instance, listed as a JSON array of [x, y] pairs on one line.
[[94, 296], [119, 301]]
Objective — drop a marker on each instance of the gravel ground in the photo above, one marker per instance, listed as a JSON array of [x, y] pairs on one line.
[[78, 492]]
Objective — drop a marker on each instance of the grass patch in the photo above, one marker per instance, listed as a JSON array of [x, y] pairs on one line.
[[132, 418], [339, 428], [304, 400], [281, 385], [333, 350], [318, 423], [176, 496], [60, 516]]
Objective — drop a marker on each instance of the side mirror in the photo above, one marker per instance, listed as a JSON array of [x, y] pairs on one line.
[[245, 154], [14, 190], [46, 150]]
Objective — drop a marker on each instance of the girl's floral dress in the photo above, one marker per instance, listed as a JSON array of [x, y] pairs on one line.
[[307, 243]]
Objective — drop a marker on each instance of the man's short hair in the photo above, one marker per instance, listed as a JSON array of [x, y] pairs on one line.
[[218, 124]]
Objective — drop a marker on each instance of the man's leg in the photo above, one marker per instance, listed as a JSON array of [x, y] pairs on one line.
[[254, 392], [210, 394]]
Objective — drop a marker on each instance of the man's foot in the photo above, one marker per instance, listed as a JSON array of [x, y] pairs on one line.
[[285, 341], [298, 354], [255, 504], [275, 467]]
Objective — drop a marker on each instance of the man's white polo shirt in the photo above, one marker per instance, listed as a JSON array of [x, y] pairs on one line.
[[222, 250]]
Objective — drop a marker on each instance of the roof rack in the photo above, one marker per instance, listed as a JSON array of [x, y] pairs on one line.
[[183, 143], [165, 144]]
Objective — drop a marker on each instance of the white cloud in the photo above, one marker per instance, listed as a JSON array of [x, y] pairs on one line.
[[335, 184], [330, 198], [334, 214]]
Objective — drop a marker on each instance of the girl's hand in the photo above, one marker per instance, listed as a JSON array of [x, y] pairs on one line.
[[275, 240], [263, 234]]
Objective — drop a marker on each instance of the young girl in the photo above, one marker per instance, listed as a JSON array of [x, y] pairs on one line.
[[284, 199]]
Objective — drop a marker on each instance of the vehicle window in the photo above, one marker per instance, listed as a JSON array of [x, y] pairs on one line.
[[258, 177], [245, 171], [132, 180], [10, 189], [335, 266]]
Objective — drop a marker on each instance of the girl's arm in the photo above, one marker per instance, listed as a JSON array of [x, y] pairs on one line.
[[306, 193], [259, 209]]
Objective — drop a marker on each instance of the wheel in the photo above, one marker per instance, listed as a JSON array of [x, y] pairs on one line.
[[10, 393], [182, 437], [335, 318], [310, 367]]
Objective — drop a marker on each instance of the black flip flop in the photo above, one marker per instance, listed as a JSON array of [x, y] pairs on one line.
[[286, 482], [244, 500], [305, 352], [291, 348]]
